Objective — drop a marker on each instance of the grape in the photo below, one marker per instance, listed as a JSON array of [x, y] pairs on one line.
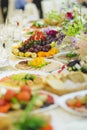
[[47, 46], [39, 48], [46, 49], [21, 49], [31, 49], [35, 45], [43, 49], [36, 50], [43, 43]]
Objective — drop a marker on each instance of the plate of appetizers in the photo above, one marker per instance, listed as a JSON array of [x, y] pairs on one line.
[[16, 79], [75, 103], [16, 101], [38, 63]]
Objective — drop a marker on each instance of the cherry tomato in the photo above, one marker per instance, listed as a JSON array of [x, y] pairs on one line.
[[78, 103], [50, 99], [5, 108], [2, 102], [48, 127], [9, 95], [26, 88], [23, 96]]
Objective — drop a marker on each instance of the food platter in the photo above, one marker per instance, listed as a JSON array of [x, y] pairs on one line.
[[12, 84], [51, 65], [63, 99]]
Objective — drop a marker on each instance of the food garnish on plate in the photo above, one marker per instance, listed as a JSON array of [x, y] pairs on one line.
[[78, 103], [38, 63], [34, 81]]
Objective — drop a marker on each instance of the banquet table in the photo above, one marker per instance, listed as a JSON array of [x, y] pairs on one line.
[[60, 118]]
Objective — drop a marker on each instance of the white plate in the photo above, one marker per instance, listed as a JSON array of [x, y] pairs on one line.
[[62, 53], [58, 56], [39, 110], [4, 63], [4, 74], [63, 99], [52, 66]]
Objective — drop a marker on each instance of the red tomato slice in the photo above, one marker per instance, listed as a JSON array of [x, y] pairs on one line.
[[2, 102], [5, 108], [23, 96], [26, 88], [9, 95], [48, 127], [78, 103]]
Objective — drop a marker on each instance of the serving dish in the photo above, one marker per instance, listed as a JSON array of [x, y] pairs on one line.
[[16, 79], [77, 97], [66, 56], [46, 65]]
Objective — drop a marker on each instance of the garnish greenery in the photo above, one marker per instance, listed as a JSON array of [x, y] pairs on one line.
[[28, 121], [71, 55], [23, 76]]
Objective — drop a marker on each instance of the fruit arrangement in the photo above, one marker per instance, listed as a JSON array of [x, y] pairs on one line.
[[13, 101], [20, 79], [37, 44], [78, 103]]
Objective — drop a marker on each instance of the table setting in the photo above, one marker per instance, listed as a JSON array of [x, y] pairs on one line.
[[43, 72]]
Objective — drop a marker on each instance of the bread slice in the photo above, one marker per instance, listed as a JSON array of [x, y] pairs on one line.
[[66, 83]]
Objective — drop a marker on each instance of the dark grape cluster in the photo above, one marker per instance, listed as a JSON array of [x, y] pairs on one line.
[[36, 48]]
